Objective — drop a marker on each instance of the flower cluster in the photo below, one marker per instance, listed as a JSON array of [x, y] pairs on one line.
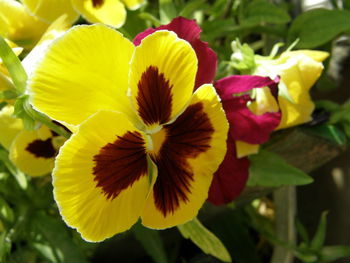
[[154, 134]]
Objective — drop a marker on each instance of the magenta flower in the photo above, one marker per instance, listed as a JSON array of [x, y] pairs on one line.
[[230, 179]]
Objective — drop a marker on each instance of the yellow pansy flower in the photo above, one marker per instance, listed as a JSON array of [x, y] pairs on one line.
[[18, 25], [298, 72], [33, 152], [135, 111], [110, 12]]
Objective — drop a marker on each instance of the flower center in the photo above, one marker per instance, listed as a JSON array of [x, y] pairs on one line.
[[97, 3], [155, 142]]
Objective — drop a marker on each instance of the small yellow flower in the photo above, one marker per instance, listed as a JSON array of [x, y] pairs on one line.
[[18, 25], [135, 112], [110, 12], [298, 72], [33, 152]]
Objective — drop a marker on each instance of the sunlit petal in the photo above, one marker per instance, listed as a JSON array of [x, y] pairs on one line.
[[9, 126], [74, 80], [194, 147], [100, 178], [18, 25], [33, 151], [50, 10], [162, 76], [110, 12]]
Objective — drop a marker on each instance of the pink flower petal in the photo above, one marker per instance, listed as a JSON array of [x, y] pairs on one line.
[[190, 31], [245, 125], [241, 83], [230, 179]]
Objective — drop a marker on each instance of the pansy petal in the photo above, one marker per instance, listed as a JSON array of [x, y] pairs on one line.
[[244, 124], [229, 180], [299, 75], [245, 149], [133, 4], [189, 30], [194, 147], [55, 30], [33, 151], [235, 85], [110, 12], [316, 55], [18, 25], [49, 11], [74, 80], [100, 177], [162, 76], [9, 126]]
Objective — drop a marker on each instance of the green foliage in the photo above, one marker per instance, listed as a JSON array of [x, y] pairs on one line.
[[314, 251], [14, 66], [271, 170], [151, 242], [260, 12], [52, 240], [329, 132], [204, 239], [317, 27]]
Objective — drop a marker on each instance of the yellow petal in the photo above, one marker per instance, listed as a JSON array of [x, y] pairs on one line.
[[33, 152], [50, 10], [9, 126], [299, 74], [192, 151], [18, 25], [84, 71], [264, 102], [244, 149], [110, 12], [163, 71], [100, 179], [314, 54], [133, 4], [5, 82], [55, 30]]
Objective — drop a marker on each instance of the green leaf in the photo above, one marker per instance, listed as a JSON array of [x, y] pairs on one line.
[[47, 252], [320, 235], [5, 246], [192, 7], [6, 213], [316, 27], [151, 242], [329, 132], [271, 170], [55, 233], [262, 11], [327, 105], [8, 94], [167, 11], [14, 66], [20, 112], [332, 253], [346, 4], [20, 177], [149, 17], [204, 239], [302, 231]]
